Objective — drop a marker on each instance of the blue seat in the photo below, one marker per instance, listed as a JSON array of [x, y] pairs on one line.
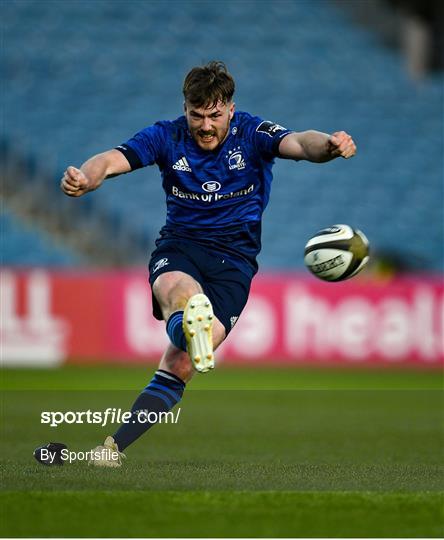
[[298, 75], [23, 245]]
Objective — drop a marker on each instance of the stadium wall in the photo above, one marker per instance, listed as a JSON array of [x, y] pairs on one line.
[[52, 317]]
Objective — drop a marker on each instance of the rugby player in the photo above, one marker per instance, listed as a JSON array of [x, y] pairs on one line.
[[216, 167]]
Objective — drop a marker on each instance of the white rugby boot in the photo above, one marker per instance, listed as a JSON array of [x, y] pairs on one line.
[[198, 320], [107, 455]]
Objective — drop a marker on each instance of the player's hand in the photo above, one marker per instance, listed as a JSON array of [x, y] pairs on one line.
[[74, 182], [340, 144]]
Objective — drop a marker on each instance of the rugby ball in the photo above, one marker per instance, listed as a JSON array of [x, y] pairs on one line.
[[50, 454], [336, 253]]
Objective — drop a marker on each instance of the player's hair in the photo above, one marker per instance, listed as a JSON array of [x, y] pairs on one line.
[[205, 86]]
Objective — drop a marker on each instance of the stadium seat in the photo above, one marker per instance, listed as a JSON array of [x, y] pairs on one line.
[[24, 245], [122, 70]]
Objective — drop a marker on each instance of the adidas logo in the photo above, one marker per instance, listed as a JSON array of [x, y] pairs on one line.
[[182, 165]]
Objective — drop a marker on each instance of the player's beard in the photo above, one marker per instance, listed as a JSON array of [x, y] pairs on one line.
[[210, 140]]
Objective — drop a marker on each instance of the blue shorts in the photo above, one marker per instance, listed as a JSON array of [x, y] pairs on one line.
[[226, 286]]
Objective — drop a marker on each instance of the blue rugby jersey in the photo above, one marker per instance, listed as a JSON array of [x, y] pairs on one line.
[[214, 198]]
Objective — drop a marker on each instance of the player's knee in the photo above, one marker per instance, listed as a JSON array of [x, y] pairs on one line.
[[173, 289], [178, 296]]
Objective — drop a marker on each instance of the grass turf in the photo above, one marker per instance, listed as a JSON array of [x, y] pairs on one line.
[[109, 377], [223, 514], [270, 453]]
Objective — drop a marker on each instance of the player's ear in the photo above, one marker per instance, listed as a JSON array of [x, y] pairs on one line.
[[232, 109], [184, 106]]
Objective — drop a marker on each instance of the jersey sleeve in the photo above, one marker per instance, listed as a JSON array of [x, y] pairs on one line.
[[267, 136], [146, 147]]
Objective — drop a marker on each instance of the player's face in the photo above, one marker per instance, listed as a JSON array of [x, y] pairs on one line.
[[209, 126]]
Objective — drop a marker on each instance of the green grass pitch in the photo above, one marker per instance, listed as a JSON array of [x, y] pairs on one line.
[[257, 452]]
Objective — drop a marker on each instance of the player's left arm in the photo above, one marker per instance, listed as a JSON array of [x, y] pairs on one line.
[[317, 146]]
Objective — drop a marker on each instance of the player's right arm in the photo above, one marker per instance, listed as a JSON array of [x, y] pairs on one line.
[[93, 172]]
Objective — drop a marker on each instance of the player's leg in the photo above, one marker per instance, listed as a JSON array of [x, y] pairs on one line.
[[174, 292], [171, 292], [177, 286], [163, 392], [178, 362], [190, 321]]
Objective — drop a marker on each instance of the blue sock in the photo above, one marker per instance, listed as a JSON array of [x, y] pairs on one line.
[[162, 393], [175, 331]]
